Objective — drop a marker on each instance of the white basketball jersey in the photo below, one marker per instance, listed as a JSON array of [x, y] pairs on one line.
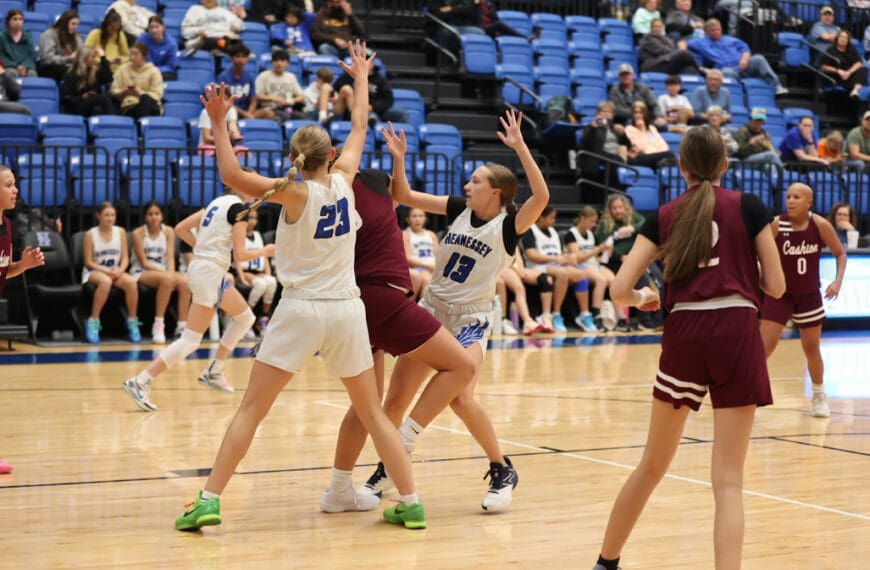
[[317, 251], [469, 261], [155, 252], [422, 246], [214, 238], [258, 264], [106, 253], [585, 242], [547, 243]]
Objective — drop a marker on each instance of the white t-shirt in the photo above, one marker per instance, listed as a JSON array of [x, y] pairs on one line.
[[667, 102], [205, 120], [285, 86]]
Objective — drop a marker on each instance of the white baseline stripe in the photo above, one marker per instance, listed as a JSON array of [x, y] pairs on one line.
[[631, 468]]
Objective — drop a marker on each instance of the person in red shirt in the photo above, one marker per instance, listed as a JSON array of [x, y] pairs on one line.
[[710, 241], [800, 236], [30, 257]]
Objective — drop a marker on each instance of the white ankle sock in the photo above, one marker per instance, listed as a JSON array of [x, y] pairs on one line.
[[341, 479], [216, 367], [321, 115], [818, 389], [410, 431], [206, 495], [409, 500], [158, 319], [144, 377]]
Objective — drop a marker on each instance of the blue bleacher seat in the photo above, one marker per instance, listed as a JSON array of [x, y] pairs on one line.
[[150, 178], [616, 32], [49, 8], [184, 111], [42, 179], [672, 182], [582, 24], [311, 63], [16, 129], [827, 188], [290, 128], [515, 51], [553, 75], [437, 170], [385, 159], [262, 134], [40, 94], [548, 90], [339, 130], [115, 126], [520, 21], [182, 91], [673, 140], [38, 22], [200, 60], [858, 185], [163, 132], [510, 92], [93, 179], [756, 180], [478, 54], [198, 180], [440, 134], [412, 102], [256, 37], [551, 25], [6, 5]]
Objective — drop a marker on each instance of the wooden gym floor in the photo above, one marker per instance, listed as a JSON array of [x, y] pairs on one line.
[[98, 483]]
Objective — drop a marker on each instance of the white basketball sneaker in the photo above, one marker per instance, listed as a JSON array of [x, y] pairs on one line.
[[377, 483], [820, 406]]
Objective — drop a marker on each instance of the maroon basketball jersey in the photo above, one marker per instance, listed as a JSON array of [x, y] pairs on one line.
[[380, 250], [799, 252], [733, 266], [5, 250]]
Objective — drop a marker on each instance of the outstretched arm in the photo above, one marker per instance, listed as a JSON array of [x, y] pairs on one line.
[[351, 153], [397, 144], [513, 138], [622, 290]]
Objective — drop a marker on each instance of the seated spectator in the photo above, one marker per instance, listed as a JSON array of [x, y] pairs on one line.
[[278, 91], [602, 137], [380, 99], [710, 94], [153, 265], [134, 18], [17, 51], [580, 242], [624, 94], [824, 32], [110, 40], [10, 91], [271, 11], [256, 274], [843, 62], [82, 88], [799, 144], [648, 148], [494, 27], [543, 250], [162, 48], [421, 246], [242, 83], [237, 7], [206, 136], [512, 278], [208, 26], [318, 96], [674, 106], [618, 225], [858, 144], [844, 220], [681, 24], [832, 147], [294, 33], [644, 15], [138, 85], [335, 27], [58, 46], [106, 258], [754, 143], [716, 121], [732, 56], [657, 52]]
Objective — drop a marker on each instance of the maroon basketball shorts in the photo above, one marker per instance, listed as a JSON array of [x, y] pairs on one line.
[[396, 324], [719, 351], [806, 310]]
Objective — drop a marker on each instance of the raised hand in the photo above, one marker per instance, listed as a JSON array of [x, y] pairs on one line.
[[216, 102], [397, 144], [512, 136], [360, 65]]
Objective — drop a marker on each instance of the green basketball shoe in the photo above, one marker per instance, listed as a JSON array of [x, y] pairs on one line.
[[411, 516], [199, 513]]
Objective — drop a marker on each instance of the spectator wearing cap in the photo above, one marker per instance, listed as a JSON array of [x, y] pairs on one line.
[[627, 91], [824, 32], [710, 94], [799, 143], [732, 56], [754, 143], [843, 63], [858, 144]]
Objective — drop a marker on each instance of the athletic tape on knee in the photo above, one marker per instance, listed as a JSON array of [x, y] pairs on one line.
[[236, 331], [544, 283], [581, 286], [178, 350]]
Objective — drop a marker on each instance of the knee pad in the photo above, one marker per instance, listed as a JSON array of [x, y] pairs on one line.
[[271, 288], [178, 350], [236, 331], [581, 286], [545, 283]]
